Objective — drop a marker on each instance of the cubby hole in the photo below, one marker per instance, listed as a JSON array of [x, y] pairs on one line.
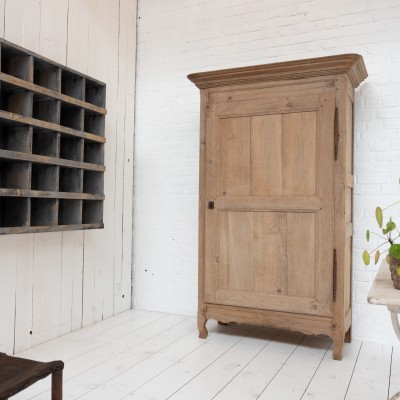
[[71, 148], [45, 143], [70, 212], [15, 100], [72, 85], [46, 109], [71, 116], [93, 182], [94, 153], [15, 174], [16, 138], [71, 180], [94, 123], [14, 211], [44, 177], [92, 212], [95, 93], [46, 75], [44, 212], [16, 63]]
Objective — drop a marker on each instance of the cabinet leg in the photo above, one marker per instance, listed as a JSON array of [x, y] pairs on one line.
[[201, 325], [347, 336], [338, 341]]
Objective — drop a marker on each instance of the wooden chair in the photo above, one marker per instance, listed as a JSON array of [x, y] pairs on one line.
[[16, 374]]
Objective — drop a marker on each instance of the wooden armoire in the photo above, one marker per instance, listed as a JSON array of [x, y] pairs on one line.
[[276, 189]]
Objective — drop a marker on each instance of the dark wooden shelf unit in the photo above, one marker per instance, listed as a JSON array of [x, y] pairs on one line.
[[52, 135]]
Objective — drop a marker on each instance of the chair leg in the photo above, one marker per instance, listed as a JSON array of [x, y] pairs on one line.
[[56, 385]]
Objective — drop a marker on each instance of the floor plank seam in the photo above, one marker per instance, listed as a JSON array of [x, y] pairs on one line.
[[252, 359], [390, 374], [352, 373], [215, 360], [283, 364], [316, 370], [114, 355], [149, 356]]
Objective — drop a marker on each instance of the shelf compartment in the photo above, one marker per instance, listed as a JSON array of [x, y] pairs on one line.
[[94, 123], [17, 120], [46, 75], [45, 177], [71, 180], [94, 153], [44, 212], [16, 138], [92, 212], [93, 182], [45, 143], [14, 212], [71, 117], [46, 109], [15, 174], [16, 101], [16, 62], [20, 84], [70, 212], [72, 85], [95, 93], [71, 148]]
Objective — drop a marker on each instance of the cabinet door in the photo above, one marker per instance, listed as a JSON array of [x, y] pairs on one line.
[[269, 200]]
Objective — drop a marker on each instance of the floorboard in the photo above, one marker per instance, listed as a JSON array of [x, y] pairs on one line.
[[147, 355]]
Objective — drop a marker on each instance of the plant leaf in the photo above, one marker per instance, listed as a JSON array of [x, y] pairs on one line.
[[394, 251], [368, 235], [390, 226], [398, 271], [379, 216], [366, 257], [377, 255], [388, 258]]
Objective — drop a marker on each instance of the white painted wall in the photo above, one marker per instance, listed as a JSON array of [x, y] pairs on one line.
[[176, 38], [53, 283]]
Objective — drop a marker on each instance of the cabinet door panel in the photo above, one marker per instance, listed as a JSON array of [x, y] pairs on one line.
[[269, 237]]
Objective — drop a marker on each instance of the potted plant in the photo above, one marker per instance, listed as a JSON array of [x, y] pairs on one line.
[[389, 235]]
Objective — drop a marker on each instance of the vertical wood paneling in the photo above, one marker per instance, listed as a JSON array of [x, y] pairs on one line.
[[241, 254], [129, 118], [24, 292], [46, 320], [234, 160], [8, 250], [60, 281], [266, 155], [78, 35], [299, 153], [270, 253], [53, 29], [301, 254]]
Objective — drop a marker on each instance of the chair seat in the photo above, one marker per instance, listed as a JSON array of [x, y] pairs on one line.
[[17, 374]]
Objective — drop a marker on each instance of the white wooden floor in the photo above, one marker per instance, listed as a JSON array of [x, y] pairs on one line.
[[149, 355]]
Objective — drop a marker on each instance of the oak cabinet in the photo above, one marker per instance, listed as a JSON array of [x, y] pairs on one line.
[[276, 186]]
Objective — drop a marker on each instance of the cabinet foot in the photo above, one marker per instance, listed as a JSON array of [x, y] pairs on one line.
[[201, 325], [347, 336], [338, 348]]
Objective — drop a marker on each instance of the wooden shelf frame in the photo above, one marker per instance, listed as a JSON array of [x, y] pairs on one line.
[[52, 136]]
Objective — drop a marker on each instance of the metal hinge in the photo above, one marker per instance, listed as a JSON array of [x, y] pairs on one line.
[[336, 134], [334, 274]]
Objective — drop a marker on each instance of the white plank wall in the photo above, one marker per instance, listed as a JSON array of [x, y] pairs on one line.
[[55, 283]]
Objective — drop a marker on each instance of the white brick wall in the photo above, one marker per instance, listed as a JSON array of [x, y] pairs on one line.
[[178, 37]]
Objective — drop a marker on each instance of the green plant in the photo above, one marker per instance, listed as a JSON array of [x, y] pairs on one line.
[[389, 235]]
